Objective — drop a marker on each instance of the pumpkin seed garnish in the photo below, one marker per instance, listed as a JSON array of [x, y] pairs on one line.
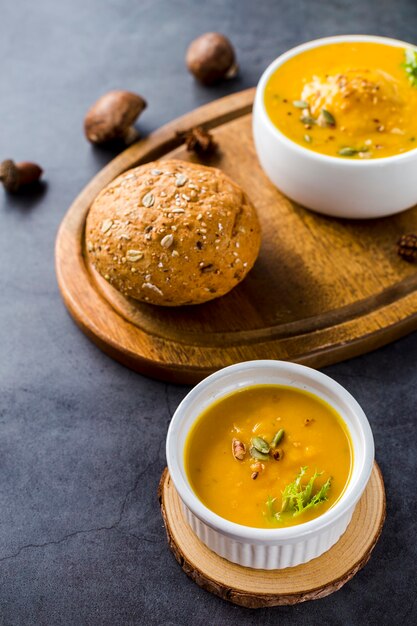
[[148, 200], [307, 119], [180, 180], [277, 438], [307, 138], [348, 152], [328, 118], [259, 456], [260, 444], [300, 104]]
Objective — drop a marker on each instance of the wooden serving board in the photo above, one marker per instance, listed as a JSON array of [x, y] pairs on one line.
[[260, 588], [322, 290]]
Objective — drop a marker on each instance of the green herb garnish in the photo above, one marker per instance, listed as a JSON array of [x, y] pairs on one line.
[[410, 65], [298, 497], [270, 509]]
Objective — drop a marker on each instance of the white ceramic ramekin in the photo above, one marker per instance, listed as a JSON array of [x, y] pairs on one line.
[[273, 548], [336, 186]]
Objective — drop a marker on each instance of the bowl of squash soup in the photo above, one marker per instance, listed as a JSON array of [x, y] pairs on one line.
[[269, 459], [335, 125]]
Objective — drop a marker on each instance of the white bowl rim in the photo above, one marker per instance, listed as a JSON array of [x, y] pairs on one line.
[[273, 535], [317, 43]]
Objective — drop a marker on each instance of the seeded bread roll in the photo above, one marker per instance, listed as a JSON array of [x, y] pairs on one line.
[[173, 233]]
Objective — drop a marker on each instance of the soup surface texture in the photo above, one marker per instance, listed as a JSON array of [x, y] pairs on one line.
[[349, 99], [233, 477]]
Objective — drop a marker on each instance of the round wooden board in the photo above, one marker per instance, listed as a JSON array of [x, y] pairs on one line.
[[261, 588], [322, 289]]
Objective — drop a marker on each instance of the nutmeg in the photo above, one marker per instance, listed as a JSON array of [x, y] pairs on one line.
[[210, 58], [16, 175], [112, 117]]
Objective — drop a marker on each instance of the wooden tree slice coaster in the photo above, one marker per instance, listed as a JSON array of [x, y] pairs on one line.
[[262, 588]]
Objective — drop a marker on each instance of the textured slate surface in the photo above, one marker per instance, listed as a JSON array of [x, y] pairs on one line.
[[81, 437]]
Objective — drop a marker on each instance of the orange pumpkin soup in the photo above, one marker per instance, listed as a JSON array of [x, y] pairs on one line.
[[349, 99], [268, 456]]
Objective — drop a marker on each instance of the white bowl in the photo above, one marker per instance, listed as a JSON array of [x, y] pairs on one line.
[[277, 547], [332, 185]]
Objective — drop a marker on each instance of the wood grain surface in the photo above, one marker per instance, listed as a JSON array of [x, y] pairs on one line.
[[322, 290], [261, 588]]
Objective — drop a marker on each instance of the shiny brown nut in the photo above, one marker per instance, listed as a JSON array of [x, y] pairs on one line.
[[16, 175], [210, 58], [112, 117]]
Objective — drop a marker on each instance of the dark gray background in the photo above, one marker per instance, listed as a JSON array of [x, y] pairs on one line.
[[81, 437]]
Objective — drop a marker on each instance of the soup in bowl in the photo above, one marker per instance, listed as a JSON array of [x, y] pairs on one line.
[[348, 99], [269, 459], [335, 128], [282, 456]]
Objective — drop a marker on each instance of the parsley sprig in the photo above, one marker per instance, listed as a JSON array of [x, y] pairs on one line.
[[298, 497], [410, 65]]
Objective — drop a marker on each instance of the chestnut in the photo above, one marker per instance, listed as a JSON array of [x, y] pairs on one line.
[[16, 175]]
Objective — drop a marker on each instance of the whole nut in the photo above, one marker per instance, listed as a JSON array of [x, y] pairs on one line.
[[210, 58], [407, 247], [16, 175], [112, 117]]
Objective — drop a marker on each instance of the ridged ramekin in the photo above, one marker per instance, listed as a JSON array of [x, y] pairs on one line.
[[273, 548], [336, 186]]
